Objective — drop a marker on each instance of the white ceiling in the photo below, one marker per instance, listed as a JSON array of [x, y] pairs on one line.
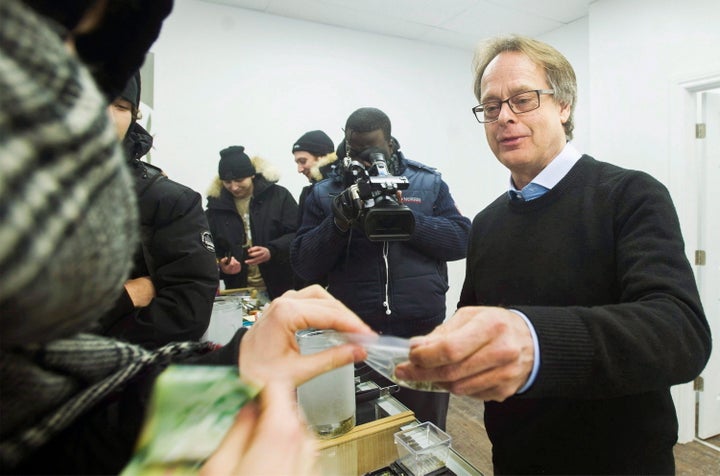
[[455, 23]]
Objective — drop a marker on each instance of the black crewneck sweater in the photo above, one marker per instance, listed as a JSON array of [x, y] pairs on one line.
[[598, 265]]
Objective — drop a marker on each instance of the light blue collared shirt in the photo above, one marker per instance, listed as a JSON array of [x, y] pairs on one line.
[[550, 176]]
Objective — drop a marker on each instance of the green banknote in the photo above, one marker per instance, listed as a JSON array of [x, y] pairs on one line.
[[191, 409]]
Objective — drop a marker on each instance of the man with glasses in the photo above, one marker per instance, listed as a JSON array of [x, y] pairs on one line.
[[579, 309], [397, 287]]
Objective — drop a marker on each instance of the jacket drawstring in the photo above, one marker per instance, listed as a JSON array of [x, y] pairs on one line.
[[386, 247], [386, 303]]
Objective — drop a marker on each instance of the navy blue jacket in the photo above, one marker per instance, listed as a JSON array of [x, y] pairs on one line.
[[415, 280]]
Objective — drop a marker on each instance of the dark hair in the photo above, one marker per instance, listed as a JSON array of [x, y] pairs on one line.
[[368, 119], [131, 93]]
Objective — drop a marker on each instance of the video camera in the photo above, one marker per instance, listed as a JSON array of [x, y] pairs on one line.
[[382, 216]]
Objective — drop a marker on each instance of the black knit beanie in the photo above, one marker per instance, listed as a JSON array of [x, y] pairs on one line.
[[235, 164], [315, 142], [131, 93], [118, 45]]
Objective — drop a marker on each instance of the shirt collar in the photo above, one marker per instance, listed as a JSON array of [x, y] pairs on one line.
[[551, 174]]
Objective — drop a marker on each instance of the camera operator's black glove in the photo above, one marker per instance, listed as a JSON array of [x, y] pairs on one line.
[[346, 207]]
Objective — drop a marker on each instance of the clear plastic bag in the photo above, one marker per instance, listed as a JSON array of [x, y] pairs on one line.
[[385, 353]]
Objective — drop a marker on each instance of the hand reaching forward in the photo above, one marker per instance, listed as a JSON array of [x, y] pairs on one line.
[[484, 352], [269, 351]]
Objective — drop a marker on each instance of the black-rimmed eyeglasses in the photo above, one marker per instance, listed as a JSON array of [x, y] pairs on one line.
[[526, 101]]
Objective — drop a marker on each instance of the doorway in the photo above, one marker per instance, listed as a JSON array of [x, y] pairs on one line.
[[708, 263]]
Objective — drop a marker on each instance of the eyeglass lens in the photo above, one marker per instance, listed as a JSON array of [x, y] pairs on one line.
[[519, 103]]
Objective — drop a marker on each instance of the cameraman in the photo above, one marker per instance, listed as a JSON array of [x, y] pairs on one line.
[[397, 287]]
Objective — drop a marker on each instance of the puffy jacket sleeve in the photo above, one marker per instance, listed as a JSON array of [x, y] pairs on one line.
[[444, 234], [287, 213], [318, 244], [183, 269]]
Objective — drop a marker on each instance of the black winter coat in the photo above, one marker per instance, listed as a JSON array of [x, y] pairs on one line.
[[273, 221], [176, 252]]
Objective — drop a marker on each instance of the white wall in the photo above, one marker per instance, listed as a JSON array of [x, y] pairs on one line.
[[640, 50], [232, 76], [572, 41]]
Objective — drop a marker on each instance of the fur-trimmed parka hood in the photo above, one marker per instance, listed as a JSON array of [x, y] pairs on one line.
[[262, 167], [324, 164]]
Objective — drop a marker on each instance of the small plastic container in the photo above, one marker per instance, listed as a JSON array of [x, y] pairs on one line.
[[422, 449]]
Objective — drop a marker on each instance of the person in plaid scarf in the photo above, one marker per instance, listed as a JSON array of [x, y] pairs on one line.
[[72, 402]]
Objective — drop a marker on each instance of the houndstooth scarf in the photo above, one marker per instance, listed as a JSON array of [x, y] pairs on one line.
[[46, 387], [68, 219]]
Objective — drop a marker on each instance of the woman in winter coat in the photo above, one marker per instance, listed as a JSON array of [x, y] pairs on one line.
[[253, 221]]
